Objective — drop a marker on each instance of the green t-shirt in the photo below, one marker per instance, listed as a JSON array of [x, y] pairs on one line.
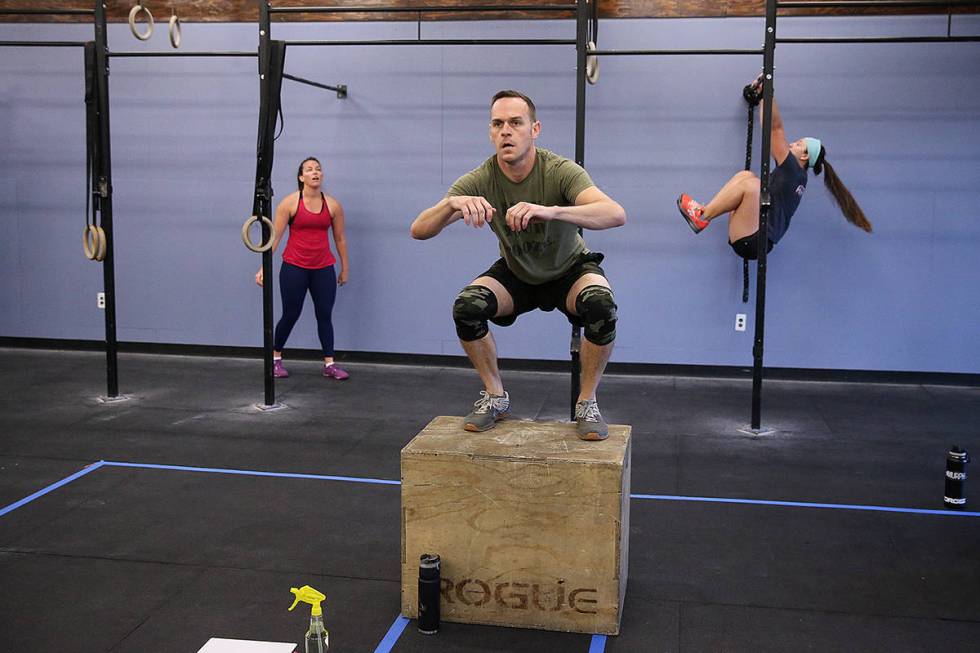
[[545, 250]]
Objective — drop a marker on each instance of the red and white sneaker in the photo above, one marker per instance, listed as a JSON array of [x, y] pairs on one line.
[[692, 212]]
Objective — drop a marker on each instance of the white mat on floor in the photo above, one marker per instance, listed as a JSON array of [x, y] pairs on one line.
[[219, 645]]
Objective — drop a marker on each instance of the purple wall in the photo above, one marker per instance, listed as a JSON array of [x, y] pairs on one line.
[[901, 123]]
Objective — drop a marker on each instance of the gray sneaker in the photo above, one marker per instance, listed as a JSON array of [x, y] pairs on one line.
[[589, 421], [487, 411]]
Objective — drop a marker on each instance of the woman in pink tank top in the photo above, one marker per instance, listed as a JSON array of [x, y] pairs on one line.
[[308, 263]]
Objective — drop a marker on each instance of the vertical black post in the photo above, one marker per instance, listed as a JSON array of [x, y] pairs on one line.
[[104, 182], [263, 197], [765, 201], [581, 29], [581, 45]]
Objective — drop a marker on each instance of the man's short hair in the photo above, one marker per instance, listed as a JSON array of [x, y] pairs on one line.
[[509, 93]]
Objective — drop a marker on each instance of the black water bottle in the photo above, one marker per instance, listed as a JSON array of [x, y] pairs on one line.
[[429, 594], [956, 460]]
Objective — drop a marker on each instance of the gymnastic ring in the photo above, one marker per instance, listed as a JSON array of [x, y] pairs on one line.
[[100, 253], [133, 13], [93, 243], [103, 245], [175, 31], [248, 241], [591, 64], [90, 242]]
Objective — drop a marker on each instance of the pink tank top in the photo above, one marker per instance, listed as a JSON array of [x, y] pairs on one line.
[[309, 240]]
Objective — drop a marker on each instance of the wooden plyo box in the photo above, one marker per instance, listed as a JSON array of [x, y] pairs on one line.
[[531, 523]]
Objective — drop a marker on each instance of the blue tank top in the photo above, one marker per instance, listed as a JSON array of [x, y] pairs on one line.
[[786, 186]]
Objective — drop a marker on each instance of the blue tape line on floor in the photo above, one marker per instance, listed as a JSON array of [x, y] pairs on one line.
[[804, 504], [392, 635], [656, 497], [246, 472], [598, 644], [51, 488]]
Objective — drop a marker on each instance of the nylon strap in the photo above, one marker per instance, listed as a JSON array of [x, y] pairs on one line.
[[748, 166]]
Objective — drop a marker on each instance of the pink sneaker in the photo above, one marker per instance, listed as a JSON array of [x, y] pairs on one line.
[[334, 371], [278, 370], [692, 212]]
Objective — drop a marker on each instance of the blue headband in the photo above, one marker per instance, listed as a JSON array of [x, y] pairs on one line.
[[813, 150]]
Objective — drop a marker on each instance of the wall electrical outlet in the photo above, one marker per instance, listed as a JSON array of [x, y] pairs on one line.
[[100, 300], [740, 321]]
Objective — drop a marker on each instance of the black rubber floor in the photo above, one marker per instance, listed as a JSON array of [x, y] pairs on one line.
[[148, 559]]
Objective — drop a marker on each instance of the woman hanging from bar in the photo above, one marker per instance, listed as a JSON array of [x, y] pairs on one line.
[[308, 263], [739, 197]]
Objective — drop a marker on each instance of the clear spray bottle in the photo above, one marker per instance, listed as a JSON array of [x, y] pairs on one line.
[[317, 638]]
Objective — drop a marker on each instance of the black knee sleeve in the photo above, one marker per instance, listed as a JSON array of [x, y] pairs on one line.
[[474, 305], [597, 310]]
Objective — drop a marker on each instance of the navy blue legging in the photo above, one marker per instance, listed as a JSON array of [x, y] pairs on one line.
[[294, 281]]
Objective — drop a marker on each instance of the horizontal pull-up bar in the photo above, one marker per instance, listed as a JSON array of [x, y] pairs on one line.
[[41, 44], [442, 42], [182, 54], [47, 12], [883, 4], [884, 39], [631, 53], [416, 10], [341, 90]]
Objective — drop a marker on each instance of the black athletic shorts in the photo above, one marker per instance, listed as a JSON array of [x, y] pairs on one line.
[[748, 247], [545, 296]]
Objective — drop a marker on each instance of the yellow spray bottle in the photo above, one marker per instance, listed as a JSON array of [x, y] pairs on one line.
[[317, 638]]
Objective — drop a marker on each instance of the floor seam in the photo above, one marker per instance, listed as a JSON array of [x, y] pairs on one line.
[[193, 565]]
